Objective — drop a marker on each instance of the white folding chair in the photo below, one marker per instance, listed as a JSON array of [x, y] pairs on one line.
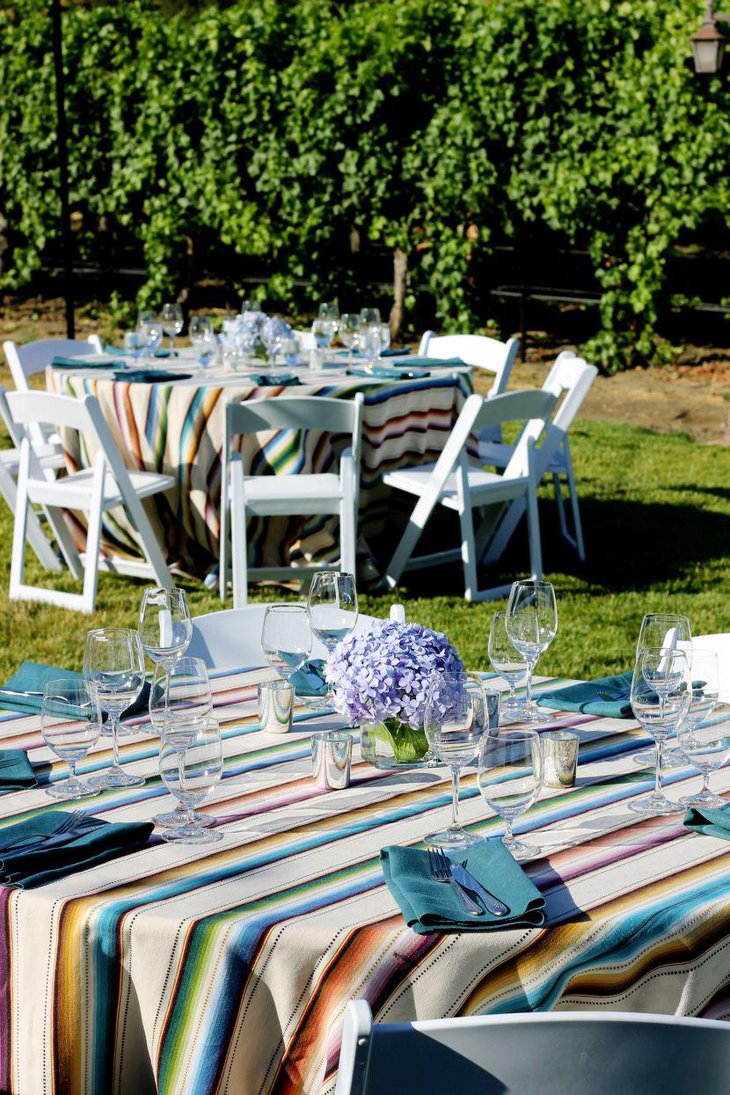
[[288, 494], [479, 351], [459, 485], [565, 1053], [569, 381], [105, 485], [231, 639], [33, 357]]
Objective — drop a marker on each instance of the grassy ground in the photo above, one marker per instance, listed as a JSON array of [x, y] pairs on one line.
[[656, 512]]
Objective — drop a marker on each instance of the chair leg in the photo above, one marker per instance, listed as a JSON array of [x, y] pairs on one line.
[[573, 494], [468, 543], [36, 536], [17, 562], [239, 546], [347, 534], [61, 531], [93, 545], [557, 487], [223, 549], [533, 532]]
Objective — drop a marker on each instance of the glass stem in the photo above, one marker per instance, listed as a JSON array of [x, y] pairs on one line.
[[455, 823], [508, 834], [73, 779], [172, 345], [706, 781], [659, 760], [115, 741], [528, 681]]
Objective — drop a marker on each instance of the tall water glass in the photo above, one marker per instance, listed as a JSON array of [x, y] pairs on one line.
[[332, 605], [454, 721], [661, 692], [663, 629], [172, 323], [70, 724], [164, 624], [706, 691], [114, 666], [706, 746], [510, 776], [190, 774], [286, 637], [180, 699], [349, 330], [532, 624], [508, 663], [151, 327]]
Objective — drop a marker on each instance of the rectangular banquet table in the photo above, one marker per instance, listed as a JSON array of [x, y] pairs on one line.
[[176, 427], [192, 970]]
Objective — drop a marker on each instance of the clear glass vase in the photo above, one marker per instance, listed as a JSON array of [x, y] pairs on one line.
[[394, 744]]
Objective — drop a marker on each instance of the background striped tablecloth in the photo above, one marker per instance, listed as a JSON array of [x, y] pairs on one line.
[[177, 428], [228, 969]]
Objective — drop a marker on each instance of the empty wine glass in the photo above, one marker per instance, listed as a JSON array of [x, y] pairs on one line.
[[199, 326], [705, 744], [190, 769], [532, 624], [150, 326], [70, 723], [454, 721], [114, 665], [135, 343], [370, 315], [286, 637], [505, 660], [172, 323], [664, 630], [510, 775], [164, 624], [349, 330], [369, 341], [661, 691], [205, 347], [384, 336], [332, 604], [705, 673]]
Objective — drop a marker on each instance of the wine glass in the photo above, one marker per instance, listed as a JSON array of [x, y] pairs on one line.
[[505, 661], [114, 665], [454, 721], [332, 605], [70, 723], [322, 332], [705, 744], [369, 341], [384, 337], [661, 692], [349, 330], [510, 775], [150, 326], [190, 771], [663, 629], [199, 327], [134, 344], [532, 623], [286, 637], [164, 624], [205, 347], [172, 323], [706, 689], [370, 316]]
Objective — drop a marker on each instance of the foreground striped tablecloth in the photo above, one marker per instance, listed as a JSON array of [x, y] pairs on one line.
[[177, 427], [187, 970]]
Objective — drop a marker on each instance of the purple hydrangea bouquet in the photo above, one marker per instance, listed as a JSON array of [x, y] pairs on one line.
[[380, 681]]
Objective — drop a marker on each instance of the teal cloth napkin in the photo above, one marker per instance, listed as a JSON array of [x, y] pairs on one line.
[[435, 362], [81, 363], [119, 351], [24, 690], [393, 351], [708, 821], [390, 373], [149, 376], [309, 680], [271, 380], [608, 697], [429, 906], [16, 771], [34, 852]]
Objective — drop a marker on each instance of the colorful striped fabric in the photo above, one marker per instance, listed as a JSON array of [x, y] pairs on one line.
[[191, 970], [178, 428]]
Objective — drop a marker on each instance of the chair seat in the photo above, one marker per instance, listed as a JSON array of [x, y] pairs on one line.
[[413, 481], [295, 494], [497, 454], [73, 491]]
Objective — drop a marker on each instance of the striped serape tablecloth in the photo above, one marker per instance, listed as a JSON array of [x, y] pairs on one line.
[[227, 968], [176, 427]]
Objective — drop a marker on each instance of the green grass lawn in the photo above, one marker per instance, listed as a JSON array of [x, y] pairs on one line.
[[656, 514]]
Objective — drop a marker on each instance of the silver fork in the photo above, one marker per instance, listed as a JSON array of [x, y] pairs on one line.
[[37, 840], [440, 869]]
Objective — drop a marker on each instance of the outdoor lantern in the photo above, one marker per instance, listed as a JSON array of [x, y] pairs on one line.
[[708, 44]]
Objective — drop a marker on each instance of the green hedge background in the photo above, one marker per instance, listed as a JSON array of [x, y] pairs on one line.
[[277, 129]]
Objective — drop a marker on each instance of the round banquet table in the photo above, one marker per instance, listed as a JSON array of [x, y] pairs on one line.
[[176, 425]]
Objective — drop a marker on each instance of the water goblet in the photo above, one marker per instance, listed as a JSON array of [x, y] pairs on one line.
[[199, 326], [510, 777], [349, 331], [134, 344], [190, 767], [205, 347], [705, 744], [164, 624], [369, 341], [384, 337], [70, 724], [114, 666], [332, 605], [172, 323], [286, 637], [151, 328], [662, 629], [706, 689], [454, 721], [322, 333], [532, 623], [370, 315], [661, 692], [505, 661]]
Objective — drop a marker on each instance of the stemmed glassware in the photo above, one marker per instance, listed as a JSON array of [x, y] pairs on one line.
[[454, 721], [370, 315], [190, 766], [505, 661], [510, 775], [704, 738], [663, 629], [164, 624], [332, 605], [134, 344], [706, 690], [70, 723], [172, 323], [661, 692], [532, 624], [349, 330], [114, 666], [151, 327], [286, 638]]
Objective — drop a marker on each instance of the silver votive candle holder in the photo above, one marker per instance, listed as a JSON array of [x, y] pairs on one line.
[[560, 757], [331, 759], [276, 706]]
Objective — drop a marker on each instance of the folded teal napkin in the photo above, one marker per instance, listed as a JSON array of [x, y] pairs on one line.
[[429, 906], [608, 697], [16, 771], [309, 680], [149, 376], [708, 821], [436, 362], [270, 380], [24, 690], [393, 351], [34, 852], [390, 373], [81, 363], [119, 351]]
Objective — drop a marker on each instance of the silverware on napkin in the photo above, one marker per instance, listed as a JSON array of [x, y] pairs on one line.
[[441, 871], [466, 879]]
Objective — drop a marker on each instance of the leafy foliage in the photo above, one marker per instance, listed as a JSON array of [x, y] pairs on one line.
[[282, 130]]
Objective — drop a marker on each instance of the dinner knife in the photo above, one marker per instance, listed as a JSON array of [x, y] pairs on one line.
[[491, 903]]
